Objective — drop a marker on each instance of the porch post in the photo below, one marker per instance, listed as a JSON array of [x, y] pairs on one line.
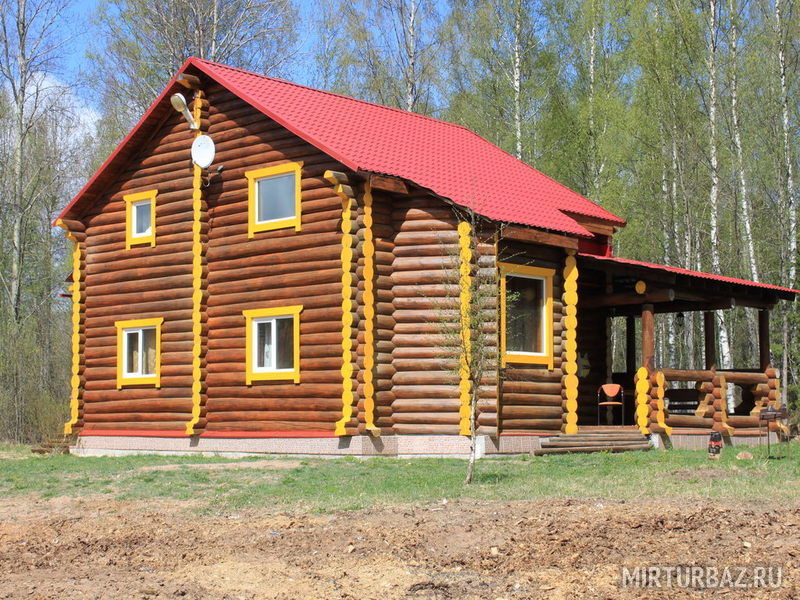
[[710, 336], [630, 344], [763, 339], [644, 372], [648, 337]]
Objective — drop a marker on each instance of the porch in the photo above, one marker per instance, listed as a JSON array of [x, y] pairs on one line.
[[658, 398]]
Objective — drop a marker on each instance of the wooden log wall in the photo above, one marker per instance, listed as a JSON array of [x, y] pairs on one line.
[[531, 395], [426, 317], [365, 312], [593, 343], [199, 280], [413, 251], [658, 413], [486, 274], [273, 269], [383, 233], [76, 233], [142, 282], [425, 300]]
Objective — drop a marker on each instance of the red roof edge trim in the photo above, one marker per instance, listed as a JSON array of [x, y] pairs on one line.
[[618, 221], [688, 273], [122, 145]]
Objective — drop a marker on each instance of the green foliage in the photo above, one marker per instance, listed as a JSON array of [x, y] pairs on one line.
[[349, 483], [140, 44], [612, 99]]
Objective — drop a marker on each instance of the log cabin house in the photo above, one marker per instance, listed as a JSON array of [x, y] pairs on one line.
[[284, 299]]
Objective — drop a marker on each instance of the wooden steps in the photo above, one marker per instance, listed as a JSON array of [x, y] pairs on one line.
[[58, 444], [594, 441]]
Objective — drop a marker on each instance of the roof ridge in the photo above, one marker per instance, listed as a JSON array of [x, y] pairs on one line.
[[330, 93]]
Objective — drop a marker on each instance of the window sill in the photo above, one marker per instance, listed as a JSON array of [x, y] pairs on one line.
[[274, 376], [273, 225], [152, 380], [528, 359], [150, 240]]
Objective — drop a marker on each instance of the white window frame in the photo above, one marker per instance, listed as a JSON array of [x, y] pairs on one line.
[[274, 340], [258, 182], [135, 219], [140, 334]]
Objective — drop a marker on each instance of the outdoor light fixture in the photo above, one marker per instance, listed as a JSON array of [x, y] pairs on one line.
[[679, 318], [179, 104]]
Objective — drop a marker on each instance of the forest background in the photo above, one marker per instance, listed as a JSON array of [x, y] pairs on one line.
[[679, 115]]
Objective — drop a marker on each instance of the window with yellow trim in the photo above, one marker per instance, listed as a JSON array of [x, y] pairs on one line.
[[273, 198], [140, 218], [273, 344], [139, 352], [526, 296]]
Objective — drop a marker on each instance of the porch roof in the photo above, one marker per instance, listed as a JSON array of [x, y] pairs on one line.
[[706, 285]]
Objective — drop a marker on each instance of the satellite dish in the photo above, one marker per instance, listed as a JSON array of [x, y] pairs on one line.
[[203, 151]]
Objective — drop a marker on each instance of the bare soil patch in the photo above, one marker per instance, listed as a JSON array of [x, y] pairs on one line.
[[98, 549]]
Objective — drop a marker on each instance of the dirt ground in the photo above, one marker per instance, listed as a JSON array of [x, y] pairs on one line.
[[77, 549]]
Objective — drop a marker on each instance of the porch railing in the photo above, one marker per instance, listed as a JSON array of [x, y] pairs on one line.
[[706, 406]]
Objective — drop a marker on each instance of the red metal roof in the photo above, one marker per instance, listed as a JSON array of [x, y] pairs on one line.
[[447, 159], [688, 273]]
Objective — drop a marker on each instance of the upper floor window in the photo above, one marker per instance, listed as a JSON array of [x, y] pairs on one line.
[[139, 352], [273, 343], [140, 218], [274, 197], [526, 302]]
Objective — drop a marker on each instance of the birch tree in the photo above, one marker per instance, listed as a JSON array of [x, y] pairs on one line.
[[39, 139], [712, 23], [787, 191], [141, 43], [29, 46], [500, 81], [736, 130], [388, 51]]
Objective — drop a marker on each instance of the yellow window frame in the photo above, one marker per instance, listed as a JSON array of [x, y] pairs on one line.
[[130, 200], [122, 327], [253, 177], [546, 357], [261, 313]]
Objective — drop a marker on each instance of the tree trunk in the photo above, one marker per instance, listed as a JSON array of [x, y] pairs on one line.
[[787, 187], [593, 169], [713, 24], [744, 201], [517, 81]]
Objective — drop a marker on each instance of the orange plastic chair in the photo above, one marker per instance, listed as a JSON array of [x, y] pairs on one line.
[[615, 396]]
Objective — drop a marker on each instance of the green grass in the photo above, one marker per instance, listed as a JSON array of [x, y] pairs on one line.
[[349, 483]]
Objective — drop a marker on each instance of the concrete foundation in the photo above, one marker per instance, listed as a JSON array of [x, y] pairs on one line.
[[397, 446], [401, 446]]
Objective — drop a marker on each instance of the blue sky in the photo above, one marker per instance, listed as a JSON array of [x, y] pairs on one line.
[[81, 13]]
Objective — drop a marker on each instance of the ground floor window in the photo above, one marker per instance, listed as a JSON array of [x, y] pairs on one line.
[[273, 343], [526, 304], [139, 352]]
